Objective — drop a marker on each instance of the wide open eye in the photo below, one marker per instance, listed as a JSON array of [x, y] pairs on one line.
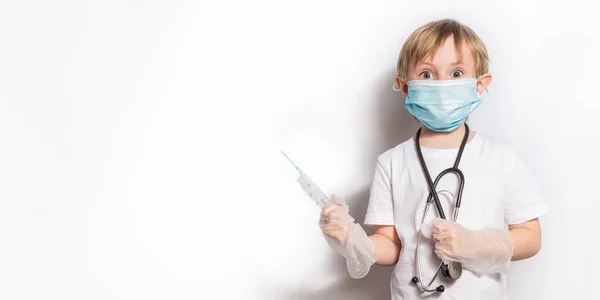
[[426, 75], [456, 73]]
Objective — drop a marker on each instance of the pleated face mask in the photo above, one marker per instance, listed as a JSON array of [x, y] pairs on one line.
[[442, 105]]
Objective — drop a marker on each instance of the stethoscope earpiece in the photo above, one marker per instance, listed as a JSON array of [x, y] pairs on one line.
[[439, 289]]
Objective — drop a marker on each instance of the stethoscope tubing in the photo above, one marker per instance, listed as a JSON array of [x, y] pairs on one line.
[[433, 197], [453, 169]]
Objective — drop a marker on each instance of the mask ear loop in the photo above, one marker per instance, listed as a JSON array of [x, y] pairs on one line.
[[396, 88]]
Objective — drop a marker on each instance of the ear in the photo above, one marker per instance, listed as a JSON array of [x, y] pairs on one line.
[[401, 82], [483, 82]]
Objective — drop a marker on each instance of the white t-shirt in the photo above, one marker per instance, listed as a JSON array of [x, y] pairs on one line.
[[498, 190]]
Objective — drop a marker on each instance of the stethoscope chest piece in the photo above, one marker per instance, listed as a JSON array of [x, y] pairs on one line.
[[452, 270]]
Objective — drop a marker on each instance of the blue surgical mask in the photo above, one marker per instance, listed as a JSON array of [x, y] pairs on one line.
[[442, 105]]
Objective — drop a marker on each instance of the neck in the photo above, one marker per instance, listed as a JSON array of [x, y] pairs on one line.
[[443, 140]]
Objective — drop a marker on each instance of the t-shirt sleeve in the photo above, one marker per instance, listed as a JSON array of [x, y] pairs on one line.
[[380, 210], [524, 200]]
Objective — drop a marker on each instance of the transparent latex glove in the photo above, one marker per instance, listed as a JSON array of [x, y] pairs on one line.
[[347, 238], [482, 251]]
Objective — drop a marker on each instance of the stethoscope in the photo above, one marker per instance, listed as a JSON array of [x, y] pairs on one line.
[[452, 270]]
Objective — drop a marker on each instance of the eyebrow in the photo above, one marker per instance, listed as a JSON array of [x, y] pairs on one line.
[[453, 63]]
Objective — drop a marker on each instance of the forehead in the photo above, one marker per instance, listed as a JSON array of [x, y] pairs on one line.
[[448, 53]]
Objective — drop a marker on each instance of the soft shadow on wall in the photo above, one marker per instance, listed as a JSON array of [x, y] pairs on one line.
[[394, 126]]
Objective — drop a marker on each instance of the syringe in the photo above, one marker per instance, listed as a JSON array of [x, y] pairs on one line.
[[311, 189]]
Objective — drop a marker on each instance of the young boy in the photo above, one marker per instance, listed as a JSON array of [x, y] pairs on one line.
[[443, 71]]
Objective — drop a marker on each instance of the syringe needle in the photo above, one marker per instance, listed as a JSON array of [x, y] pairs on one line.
[[297, 168], [287, 158]]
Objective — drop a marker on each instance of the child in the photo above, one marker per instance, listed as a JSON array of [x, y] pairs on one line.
[[443, 71]]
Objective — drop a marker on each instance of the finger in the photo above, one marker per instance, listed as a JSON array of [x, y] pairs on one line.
[[327, 217], [443, 254], [328, 208], [439, 225], [336, 223], [332, 231], [443, 246], [330, 226], [335, 214], [441, 236], [323, 220]]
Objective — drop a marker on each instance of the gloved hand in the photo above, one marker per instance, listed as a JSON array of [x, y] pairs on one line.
[[335, 220], [347, 238], [482, 251]]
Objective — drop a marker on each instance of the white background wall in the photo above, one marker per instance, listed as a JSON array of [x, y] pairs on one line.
[[139, 140]]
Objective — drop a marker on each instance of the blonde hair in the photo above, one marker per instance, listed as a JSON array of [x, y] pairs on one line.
[[427, 39]]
